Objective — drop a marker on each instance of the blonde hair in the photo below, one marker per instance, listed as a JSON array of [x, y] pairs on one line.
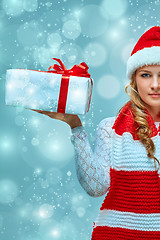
[[143, 131]]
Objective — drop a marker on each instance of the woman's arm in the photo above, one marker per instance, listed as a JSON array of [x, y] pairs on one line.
[[93, 167]]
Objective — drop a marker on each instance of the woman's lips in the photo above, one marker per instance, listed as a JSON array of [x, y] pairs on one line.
[[155, 95]]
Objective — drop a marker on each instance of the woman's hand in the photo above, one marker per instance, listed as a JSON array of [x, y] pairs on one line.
[[71, 119]]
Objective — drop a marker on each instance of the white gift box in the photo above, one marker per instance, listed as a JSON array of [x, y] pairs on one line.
[[40, 90]]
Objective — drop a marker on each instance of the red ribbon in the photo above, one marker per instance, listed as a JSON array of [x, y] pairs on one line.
[[77, 70], [80, 70]]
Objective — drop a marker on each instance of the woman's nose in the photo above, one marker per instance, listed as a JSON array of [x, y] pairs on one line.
[[156, 82]]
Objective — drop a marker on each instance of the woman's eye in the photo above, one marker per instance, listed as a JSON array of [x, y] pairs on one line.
[[143, 75]]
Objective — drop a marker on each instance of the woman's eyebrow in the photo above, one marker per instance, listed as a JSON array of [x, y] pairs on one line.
[[145, 71]]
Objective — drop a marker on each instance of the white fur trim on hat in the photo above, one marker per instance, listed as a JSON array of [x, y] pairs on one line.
[[146, 56]]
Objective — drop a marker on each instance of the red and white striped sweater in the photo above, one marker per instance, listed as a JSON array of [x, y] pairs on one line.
[[119, 166]]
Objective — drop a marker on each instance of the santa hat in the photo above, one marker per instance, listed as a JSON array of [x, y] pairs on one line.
[[146, 51]]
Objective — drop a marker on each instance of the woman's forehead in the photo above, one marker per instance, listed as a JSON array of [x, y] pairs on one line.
[[149, 67]]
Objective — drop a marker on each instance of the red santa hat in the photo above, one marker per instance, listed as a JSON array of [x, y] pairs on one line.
[[146, 51]]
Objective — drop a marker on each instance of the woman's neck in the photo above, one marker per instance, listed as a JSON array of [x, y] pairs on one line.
[[155, 114]]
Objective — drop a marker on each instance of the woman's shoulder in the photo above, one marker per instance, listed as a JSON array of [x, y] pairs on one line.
[[107, 123]]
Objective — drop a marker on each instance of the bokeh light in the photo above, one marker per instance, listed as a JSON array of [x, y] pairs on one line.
[[71, 29], [126, 52], [70, 53], [95, 54], [53, 175], [44, 55], [19, 120], [7, 145], [54, 40], [13, 7], [109, 10], [49, 229], [8, 191], [80, 203], [46, 211], [30, 5], [25, 211], [92, 22], [108, 87]]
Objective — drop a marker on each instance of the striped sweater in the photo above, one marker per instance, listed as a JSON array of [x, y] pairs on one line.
[[119, 168]]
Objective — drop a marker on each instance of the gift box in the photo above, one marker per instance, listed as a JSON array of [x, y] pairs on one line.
[[57, 90]]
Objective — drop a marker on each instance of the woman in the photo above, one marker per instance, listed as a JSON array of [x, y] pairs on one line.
[[125, 162]]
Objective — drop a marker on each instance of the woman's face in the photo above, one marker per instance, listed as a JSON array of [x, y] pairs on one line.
[[148, 82]]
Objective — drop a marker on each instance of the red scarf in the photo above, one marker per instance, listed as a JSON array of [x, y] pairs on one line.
[[125, 122]]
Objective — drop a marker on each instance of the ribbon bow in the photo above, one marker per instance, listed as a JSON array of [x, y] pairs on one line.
[[80, 70]]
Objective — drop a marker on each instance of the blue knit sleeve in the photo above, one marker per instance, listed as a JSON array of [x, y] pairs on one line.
[[93, 167]]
